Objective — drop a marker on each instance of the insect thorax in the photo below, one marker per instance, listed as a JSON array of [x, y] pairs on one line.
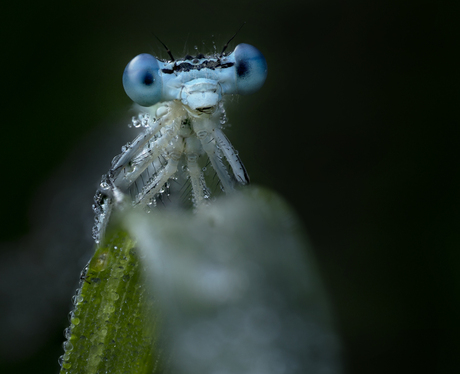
[[181, 165]]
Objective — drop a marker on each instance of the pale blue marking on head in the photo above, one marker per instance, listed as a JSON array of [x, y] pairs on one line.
[[197, 82]]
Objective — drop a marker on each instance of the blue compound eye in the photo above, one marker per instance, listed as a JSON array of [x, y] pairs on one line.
[[142, 81], [251, 68]]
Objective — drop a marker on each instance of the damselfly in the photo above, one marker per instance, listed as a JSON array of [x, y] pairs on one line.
[[182, 117]]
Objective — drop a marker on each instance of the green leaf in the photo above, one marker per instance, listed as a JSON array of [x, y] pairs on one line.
[[113, 326], [235, 283], [238, 287]]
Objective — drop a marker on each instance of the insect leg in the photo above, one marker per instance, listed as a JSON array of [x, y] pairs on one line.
[[155, 185], [150, 153], [209, 146], [165, 114], [136, 146], [197, 181], [232, 157]]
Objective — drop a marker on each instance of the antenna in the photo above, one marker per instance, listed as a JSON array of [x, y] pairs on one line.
[[226, 44], [167, 49]]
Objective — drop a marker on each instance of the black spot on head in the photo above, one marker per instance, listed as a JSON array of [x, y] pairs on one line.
[[242, 68], [227, 65], [148, 79], [185, 66], [200, 55]]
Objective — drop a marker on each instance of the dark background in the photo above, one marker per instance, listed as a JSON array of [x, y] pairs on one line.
[[357, 127]]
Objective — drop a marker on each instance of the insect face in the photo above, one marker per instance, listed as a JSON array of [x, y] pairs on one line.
[[199, 82]]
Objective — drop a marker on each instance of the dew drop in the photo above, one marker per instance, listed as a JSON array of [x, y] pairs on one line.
[[67, 346], [67, 365]]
